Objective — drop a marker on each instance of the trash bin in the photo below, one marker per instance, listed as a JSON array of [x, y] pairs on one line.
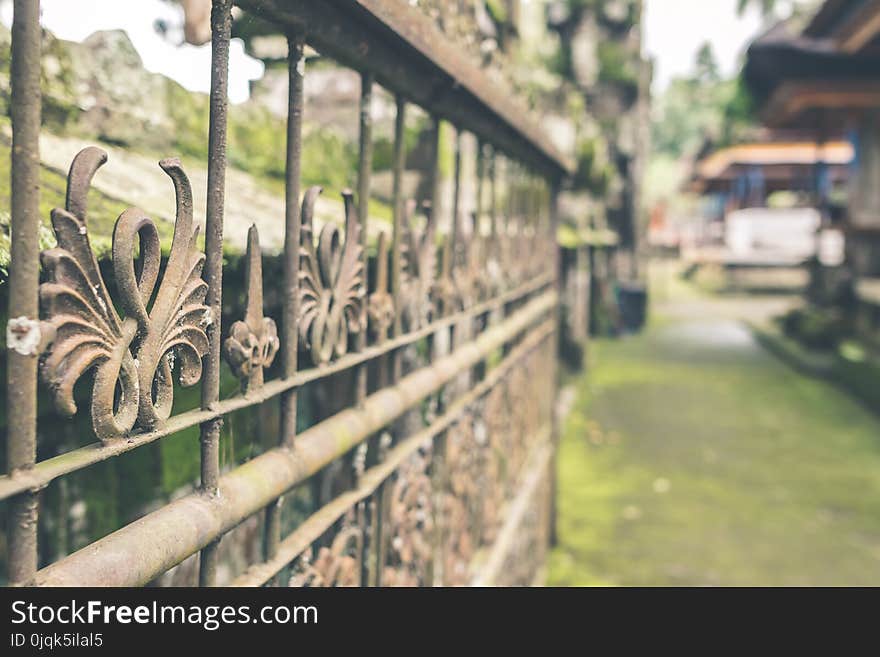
[[632, 302]]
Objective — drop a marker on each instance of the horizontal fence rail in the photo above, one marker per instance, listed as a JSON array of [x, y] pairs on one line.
[[46, 471], [433, 349]]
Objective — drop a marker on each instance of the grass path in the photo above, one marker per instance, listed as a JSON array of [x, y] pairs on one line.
[[692, 457]]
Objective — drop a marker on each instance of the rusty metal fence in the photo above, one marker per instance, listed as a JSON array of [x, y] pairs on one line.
[[448, 457]]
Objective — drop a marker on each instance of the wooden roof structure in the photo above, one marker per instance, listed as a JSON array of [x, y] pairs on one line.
[[810, 76], [783, 164]]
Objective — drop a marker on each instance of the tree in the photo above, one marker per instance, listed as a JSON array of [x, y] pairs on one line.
[[766, 7], [701, 107], [772, 9], [706, 64]]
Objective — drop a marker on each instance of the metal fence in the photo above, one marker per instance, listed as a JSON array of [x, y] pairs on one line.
[[447, 457]]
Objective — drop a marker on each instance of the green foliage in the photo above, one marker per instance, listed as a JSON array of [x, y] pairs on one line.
[[103, 212], [578, 5], [56, 82], [616, 65], [383, 147], [257, 141], [766, 7], [559, 60], [775, 9], [815, 328], [189, 114], [497, 10], [593, 173], [328, 160], [739, 112], [707, 64], [695, 109]]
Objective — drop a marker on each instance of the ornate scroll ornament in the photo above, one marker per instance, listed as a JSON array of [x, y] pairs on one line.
[[419, 270], [337, 565], [380, 305], [133, 356], [445, 293], [252, 343], [494, 269], [410, 523], [331, 282], [511, 259], [469, 278], [465, 457]]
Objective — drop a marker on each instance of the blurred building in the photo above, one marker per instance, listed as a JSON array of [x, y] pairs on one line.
[[747, 175], [822, 76]]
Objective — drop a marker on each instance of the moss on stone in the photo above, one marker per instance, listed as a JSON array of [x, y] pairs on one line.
[[103, 211], [616, 65]]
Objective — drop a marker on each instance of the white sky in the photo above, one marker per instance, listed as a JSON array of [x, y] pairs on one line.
[[675, 30], [188, 65]]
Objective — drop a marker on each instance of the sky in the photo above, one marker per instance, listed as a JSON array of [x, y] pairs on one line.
[[675, 30], [188, 65]]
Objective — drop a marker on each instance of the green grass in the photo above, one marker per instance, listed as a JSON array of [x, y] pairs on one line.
[[692, 461]]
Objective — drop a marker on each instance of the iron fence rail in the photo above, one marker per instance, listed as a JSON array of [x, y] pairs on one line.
[[44, 472], [137, 553], [407, 54], [431, 498]]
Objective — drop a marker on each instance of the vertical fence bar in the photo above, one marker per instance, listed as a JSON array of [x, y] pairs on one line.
[[508, 245], [495, 243], [553, 221], [450, 244], [397, 230], [221, 27], [24, 270], [292, 226], [456, 203], [493, 195], [434, 203], [463, 330], [398, 163], [511, 190], [290, 298], [365, 164], [477, 234], [435, 569], [448, 265], [481, 176]]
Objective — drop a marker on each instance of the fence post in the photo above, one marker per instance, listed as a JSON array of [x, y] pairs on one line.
[[221, 27], [22, 331]]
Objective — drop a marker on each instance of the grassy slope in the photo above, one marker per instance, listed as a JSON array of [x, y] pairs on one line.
[[687, 462]]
